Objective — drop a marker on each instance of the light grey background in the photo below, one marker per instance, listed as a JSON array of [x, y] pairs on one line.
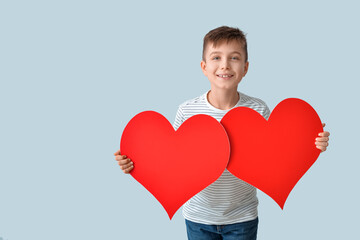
[[73, 73]]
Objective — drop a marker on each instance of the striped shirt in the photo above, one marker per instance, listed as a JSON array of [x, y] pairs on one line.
[[228, 200]]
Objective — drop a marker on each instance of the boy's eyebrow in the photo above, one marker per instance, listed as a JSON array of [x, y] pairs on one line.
[[221, 52]]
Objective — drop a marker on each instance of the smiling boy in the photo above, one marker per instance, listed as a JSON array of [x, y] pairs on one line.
[[227, 209]]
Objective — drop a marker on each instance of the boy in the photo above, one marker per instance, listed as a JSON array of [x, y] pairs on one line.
[[227, 209]]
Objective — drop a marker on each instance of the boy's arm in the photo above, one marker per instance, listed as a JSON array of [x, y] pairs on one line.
[[322, 142]]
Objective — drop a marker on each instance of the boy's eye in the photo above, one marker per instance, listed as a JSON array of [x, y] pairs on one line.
[[216, 58], [235, 58]]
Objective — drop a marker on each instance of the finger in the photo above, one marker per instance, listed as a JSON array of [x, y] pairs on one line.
[[117, 152], [120, 157], [124, 161], [323, 125], [322, 144], [124, 166], [324, 134], [322, 139], [323, 149], [128, 170]]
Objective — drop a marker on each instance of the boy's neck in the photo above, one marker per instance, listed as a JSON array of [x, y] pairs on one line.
[[223, 99]]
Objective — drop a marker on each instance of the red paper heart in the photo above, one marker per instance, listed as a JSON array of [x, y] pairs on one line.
[[175, 165], [273, 155]]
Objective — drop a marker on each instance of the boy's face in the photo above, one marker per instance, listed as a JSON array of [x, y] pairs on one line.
[[225, 65]]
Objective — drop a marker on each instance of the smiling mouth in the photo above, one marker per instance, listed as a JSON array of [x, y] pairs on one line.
[[224, 75]]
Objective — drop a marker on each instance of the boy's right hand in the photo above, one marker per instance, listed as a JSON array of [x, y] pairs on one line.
[[125, 163]]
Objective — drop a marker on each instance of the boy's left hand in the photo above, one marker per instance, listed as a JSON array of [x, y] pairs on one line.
[[322, 141]]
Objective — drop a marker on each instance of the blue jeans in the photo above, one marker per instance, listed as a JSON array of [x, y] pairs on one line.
[[236, 231]]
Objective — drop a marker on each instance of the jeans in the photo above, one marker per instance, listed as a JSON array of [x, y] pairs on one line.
[[236, 231]]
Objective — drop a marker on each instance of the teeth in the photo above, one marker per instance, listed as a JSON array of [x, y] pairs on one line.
[[225, 76]]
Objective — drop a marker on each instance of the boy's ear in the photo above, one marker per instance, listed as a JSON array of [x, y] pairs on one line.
[[246, 68], [203, 66]]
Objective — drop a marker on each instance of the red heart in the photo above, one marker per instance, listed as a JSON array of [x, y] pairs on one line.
[[175, 165], [273, 155]]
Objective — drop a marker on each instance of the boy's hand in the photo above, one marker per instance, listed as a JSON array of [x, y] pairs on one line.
[[125, 163], [323, 140]]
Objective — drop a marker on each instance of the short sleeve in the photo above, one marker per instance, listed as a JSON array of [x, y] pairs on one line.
[[266, 113], [262, 108], [179, 119]]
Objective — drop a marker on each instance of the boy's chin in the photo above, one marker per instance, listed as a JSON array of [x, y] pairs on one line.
[[224, 87]]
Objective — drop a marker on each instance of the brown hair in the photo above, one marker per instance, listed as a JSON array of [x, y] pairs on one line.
[[220, 34]]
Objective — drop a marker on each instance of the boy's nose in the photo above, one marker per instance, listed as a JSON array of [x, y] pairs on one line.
[[225, 64]]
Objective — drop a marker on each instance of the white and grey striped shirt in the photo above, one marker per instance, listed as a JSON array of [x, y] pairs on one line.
[[228, 200]]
